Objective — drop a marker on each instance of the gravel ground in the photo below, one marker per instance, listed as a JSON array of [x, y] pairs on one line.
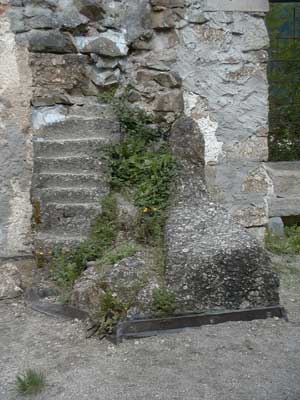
[[257, 360]]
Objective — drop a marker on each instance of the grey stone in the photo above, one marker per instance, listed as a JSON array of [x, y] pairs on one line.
[[168, 3], [110, 43], [17, 21], [276, 226], [236, 5], [87, 291], [130, 280], [163, 19], [169, 102], [284, 207], [70, 18], [92, 9], [10, 281], [104, 78], [212, 262], [50, 42], [285, 177]]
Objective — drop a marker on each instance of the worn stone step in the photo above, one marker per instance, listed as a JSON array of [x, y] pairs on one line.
[[285, 177], [72, 147], [78, 128], [72, 195], [284, 207], [75, 164], [68, 217], [45, 242], [66, 180]]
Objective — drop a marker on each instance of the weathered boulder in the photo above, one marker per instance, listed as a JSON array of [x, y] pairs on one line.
[[212, 262], [132, 281], [10, 281], [86, 293]]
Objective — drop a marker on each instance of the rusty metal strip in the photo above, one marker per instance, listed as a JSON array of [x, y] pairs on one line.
[[152, 327]]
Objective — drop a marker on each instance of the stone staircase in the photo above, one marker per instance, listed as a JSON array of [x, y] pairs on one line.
[[71, 174]]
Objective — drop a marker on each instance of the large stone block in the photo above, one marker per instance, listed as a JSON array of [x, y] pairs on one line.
[[212, 262]]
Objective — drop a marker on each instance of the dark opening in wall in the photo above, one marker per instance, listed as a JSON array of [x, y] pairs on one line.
[[292, 220]]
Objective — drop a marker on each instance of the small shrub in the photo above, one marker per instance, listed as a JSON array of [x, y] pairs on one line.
[[164, 302], [30, 382], [290, 244]]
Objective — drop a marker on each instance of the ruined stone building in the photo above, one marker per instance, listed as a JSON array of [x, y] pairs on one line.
[[203, 59]]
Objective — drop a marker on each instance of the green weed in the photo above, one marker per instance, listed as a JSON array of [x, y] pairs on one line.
[[30, 382], [116, 254], [111, 312], [164, 302], [289, 244]]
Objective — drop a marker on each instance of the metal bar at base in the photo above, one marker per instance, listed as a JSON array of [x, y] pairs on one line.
[[152, 327]]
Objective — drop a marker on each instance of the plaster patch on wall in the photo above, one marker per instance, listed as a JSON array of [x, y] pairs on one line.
[[47, 116], [195, 107], [8, 64], [17, 229]]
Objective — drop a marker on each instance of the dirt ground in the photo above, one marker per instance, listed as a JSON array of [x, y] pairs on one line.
[[259, 360]]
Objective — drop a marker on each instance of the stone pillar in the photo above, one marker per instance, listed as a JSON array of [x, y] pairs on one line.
[[15, 143]]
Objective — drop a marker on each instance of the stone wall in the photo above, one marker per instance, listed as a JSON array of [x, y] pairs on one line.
[[15, 143], [203, 58]]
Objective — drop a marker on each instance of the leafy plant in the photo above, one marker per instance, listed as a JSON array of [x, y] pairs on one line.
[[111, 312], [289, 244], [164, 302], [30, 382]]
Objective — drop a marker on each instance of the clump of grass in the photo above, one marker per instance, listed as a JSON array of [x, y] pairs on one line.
[[30, 382], [116, 254], [289, 244], [164, 302]]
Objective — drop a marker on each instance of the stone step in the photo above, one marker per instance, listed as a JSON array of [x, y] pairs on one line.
[[68, 217], [73, 164], [284, 207], [69, 147], [285, 177], [77, 128], [71, 195], [66, 180], [45, 242]]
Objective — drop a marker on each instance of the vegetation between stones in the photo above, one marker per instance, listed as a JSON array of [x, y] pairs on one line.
[[289, 244], [164, 302], [30, 382], [142, 169]]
